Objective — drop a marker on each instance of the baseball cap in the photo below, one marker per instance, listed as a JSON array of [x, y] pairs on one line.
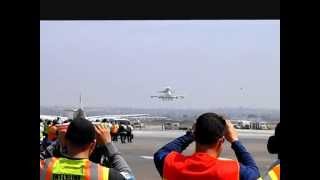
[[80, 132]]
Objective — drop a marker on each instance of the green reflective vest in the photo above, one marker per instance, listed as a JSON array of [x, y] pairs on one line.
[[69, 169]]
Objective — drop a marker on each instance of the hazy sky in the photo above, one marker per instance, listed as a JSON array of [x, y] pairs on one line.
[[123, 63]]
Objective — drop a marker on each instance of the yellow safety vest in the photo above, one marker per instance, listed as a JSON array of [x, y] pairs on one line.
[[273, 173], [45, 128], [63, 168]]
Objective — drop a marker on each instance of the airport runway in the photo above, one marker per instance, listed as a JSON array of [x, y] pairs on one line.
[[139, 153]]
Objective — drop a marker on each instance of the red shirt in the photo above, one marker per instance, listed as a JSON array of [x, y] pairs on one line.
[[199, 166]]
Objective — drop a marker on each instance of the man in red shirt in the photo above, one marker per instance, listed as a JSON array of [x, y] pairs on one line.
[[209, 133]]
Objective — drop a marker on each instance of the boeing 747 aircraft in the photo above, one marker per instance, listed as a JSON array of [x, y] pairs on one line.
[[80, 113]]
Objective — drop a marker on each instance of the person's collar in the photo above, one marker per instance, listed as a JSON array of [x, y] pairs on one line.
[[72, 158]]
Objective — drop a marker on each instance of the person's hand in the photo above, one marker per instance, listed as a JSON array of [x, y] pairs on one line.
[[102, 134], [190, 131], [230, 134]]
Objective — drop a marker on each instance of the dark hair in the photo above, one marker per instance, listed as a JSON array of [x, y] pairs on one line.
[[273, 144], [80, 132], [209, 128], [54, 122]]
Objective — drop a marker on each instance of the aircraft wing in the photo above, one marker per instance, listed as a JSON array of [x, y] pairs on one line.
[[118, 116], [52, 117]]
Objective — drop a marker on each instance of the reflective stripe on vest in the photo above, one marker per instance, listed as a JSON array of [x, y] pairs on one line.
[[103, 173], [273, 174], [62, 168], [46, 168]]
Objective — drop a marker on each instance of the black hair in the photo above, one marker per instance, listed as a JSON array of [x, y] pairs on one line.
[[273, 145], [54, 122], [80, 132], [209, 128]]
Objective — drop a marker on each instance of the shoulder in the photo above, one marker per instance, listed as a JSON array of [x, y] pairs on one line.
[[116, 175], [228, 162], [44, 163], [174, 157], [229, 167]]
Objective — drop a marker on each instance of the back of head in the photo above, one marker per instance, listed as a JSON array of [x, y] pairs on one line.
[[54, 122], [209, 128], [80, 132], [273, 145]]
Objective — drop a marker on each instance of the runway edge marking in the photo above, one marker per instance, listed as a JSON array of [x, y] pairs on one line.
[[147, 157]]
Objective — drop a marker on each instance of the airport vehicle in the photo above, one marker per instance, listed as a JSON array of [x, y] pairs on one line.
[[171, 126], [138, 124], [264, 126], [241, 124], [79, 112], [261, 125], [167, 95]]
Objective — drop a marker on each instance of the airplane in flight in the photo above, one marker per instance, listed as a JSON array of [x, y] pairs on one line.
[[167, 95], [80, 113]]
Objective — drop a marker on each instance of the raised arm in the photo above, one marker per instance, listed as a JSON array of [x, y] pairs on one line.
[[116, 161], [248, 167]]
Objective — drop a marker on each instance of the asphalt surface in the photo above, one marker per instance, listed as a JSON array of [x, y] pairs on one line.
[[139, 153]]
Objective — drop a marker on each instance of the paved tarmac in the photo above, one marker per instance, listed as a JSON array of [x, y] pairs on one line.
[[139, 154]]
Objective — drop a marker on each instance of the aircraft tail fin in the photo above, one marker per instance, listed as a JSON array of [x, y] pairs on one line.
[[81, 106]]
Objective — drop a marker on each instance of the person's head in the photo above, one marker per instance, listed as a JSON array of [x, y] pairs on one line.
[[62, 130], [209, 131], [80, 137], [273, 145], [54, 122]]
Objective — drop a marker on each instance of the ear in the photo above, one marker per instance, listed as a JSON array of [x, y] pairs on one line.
[[93, 146], [220, 142], [94, 143]]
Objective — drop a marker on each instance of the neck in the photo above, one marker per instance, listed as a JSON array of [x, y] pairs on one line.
[[211, 151], [78, 153]]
